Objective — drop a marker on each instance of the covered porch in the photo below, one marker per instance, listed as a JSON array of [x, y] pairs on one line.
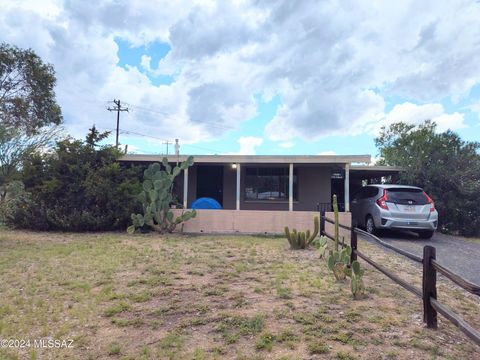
[[269, 183], [262, 194]]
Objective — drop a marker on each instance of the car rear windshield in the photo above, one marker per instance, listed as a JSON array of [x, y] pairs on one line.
[[406, 196]]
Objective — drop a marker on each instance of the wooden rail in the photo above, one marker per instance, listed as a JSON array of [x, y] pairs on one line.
[[465, 284], [428, 293], [391, 247], [391, 275], [457, 320]]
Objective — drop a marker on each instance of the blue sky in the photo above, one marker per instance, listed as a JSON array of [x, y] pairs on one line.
[[249, 77], [130, 56]]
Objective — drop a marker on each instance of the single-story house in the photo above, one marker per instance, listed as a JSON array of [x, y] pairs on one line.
[[280, 186]]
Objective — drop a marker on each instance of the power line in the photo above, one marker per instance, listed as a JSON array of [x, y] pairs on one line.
[[164, 113], [118, 109], [129, 132]]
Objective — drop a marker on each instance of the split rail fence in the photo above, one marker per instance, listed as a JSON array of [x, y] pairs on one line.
[[428, 292]]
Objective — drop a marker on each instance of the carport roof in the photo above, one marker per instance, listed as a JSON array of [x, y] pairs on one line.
[[374, 171]]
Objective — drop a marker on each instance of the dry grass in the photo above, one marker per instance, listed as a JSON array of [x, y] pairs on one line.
[[210, 297]]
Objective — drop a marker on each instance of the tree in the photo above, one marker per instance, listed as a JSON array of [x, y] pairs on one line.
[[444, 165], [79, 186], [29, 113], [27, 97], [15, 146]]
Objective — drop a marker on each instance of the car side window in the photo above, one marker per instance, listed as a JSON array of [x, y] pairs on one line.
[[372, 191], [361, 193]]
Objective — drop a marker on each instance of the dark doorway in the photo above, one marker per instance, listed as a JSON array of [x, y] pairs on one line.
[[210, 182]]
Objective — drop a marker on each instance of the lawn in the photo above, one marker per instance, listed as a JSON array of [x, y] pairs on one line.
[[119, 296]]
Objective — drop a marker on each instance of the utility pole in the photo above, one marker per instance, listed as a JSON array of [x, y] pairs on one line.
[[166, 143], [177, 149], [118, 109]]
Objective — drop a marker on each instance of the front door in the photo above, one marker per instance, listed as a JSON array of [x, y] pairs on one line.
[[210, 182]]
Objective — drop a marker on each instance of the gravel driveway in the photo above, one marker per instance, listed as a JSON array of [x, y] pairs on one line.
[[461, 256]]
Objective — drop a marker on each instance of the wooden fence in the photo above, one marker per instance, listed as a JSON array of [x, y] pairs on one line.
[[428, 293]]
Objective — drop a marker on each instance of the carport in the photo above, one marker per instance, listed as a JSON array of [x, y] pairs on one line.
[[361, 175]]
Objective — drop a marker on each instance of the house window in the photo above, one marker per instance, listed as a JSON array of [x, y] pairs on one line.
[[268, 184]]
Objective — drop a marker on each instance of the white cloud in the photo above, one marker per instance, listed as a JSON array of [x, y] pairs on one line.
[[329, 152], [248, 145], [476, 109], [332, 64], [286, 144], [416, 114]]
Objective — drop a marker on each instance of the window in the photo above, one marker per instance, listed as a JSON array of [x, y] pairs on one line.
[[366, 192], [268, 184], [406, 196], [372, 191]]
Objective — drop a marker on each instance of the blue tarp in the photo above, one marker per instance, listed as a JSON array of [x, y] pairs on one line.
[[206, 203]]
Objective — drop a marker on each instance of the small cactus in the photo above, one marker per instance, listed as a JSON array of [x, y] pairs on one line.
[[338, 261], [301, 240], [356, 280], [322, 245]]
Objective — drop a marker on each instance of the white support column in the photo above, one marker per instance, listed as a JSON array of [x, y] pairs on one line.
[[347, 187], [185, 188], [290, 188], [238, 187]]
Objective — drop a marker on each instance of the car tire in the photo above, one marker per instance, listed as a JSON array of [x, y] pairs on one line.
[[426, 234], [370, 225]]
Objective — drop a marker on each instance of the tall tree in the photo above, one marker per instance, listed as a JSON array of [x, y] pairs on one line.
[[27, 97], [447, 167], [29, 112]]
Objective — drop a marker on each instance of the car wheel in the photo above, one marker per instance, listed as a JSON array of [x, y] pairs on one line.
[[370, 225], [426, 234]]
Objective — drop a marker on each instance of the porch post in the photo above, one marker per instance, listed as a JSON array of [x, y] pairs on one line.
[[238, 187], [347, 187], [185, 188], [290, 188]]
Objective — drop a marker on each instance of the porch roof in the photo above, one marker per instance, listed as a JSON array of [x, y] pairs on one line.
[[260, 159]]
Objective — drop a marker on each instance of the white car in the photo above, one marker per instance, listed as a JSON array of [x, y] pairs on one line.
[[394, 207]]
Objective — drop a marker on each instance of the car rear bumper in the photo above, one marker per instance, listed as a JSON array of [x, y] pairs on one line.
[[389, 223]]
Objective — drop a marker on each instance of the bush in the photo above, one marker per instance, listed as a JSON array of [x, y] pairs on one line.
[[78, 187]]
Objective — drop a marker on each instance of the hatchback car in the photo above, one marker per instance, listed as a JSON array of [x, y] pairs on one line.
[[394, 207]]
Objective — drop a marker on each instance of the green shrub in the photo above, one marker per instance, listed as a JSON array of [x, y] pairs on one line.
[[78, 187]]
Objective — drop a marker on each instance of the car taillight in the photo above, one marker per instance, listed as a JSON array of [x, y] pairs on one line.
[[430, 201], [382, 201]]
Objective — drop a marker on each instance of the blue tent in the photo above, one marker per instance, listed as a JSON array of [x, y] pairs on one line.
[[206, 203]]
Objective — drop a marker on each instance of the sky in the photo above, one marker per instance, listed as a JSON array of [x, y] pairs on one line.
[[256, 77]]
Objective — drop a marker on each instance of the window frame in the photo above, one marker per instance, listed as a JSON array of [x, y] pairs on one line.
[[280, 181]]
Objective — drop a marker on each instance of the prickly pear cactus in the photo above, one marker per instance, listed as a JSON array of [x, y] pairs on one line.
[[356, 280], [301, 240], [338, 261], [322, 245], [157, 196]]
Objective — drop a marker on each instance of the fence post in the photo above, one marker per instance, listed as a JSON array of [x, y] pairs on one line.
[[322, 222], [353, 244], [429, 287]]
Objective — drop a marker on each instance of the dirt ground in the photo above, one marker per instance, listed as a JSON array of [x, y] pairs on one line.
[[119, 296]]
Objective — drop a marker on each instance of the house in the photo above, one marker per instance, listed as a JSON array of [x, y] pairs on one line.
[[267, 188]]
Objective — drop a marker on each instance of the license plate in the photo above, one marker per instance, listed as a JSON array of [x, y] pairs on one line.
[[410, 208]]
